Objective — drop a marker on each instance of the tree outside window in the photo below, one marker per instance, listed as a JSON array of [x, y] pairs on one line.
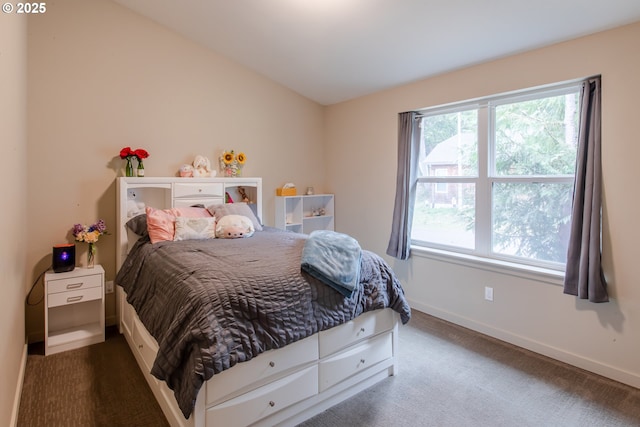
[[496, 177]]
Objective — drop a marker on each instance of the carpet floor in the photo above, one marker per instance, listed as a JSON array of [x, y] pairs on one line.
[[449, 377], [95, 386]]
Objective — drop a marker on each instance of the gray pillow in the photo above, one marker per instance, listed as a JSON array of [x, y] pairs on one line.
[[138, 224], [238, 208]]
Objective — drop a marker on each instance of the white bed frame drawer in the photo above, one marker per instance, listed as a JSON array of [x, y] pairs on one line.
[[74, 284], [198, 190], [346, 364], [206, 201], [364, 326], [261, 369], [74, 297], [265, 401], [146, 345]]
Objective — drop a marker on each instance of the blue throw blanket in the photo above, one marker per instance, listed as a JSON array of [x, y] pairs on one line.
[[334, 259]]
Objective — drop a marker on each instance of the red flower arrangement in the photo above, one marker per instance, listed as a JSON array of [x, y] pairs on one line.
[[139, 154], [128, 153]]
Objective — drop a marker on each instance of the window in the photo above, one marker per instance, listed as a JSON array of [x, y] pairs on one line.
[[495, 176]]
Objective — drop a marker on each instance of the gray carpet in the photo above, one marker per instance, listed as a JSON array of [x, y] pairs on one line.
[[453, 377], [449, 376], [95, 386]]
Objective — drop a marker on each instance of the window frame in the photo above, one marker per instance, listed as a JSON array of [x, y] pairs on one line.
[[487, 177]]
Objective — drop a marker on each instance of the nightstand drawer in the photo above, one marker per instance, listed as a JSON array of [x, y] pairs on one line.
[[74, 284], [198, 190], [74, 297]]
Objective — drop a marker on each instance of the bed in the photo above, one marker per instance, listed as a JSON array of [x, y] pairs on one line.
[[232, 331]]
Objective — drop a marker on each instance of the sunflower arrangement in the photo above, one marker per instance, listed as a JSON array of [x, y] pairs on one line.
[[231, 163]]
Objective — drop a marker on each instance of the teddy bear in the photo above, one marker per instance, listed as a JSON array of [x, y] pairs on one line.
[[234, 227]]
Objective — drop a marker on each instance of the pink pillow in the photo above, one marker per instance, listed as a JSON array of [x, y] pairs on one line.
[[161, 222]]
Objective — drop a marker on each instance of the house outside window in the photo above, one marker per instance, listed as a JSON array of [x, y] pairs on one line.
[[495, 176]]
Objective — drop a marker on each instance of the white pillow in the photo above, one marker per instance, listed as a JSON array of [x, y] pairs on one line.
[[234, 227], [195, 228]]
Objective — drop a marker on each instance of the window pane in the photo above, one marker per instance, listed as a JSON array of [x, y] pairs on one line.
[[537, 137], [532, 220], [449, 145], [445, 218]]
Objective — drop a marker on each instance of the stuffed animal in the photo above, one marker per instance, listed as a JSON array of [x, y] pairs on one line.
[[186, 171], [234, 227], [134, 208], [202, 167], [243, 194]]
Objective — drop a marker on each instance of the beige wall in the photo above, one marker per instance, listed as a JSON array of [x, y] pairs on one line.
[[13, 226], [102, 77], [537, 315]]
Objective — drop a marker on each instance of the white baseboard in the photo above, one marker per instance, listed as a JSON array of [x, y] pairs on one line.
[[18, 395], [559, 354]]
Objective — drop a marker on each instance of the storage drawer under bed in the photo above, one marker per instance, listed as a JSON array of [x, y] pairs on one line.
[[261, 369], [364, 326], [354, 360], [266, 400]]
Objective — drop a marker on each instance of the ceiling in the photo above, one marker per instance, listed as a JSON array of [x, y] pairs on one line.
[[335, 50]]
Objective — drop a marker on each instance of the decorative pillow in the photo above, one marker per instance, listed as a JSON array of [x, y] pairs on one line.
[[195, 228], [240, 208], [138, 224], [234, 227], [161, 222]]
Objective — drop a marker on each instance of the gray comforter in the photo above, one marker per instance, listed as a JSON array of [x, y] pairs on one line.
[[211, 304]]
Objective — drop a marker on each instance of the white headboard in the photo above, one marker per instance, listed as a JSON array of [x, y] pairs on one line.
[[133, 194]]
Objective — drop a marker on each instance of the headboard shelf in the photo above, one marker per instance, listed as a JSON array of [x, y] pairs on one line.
[[134, 193]]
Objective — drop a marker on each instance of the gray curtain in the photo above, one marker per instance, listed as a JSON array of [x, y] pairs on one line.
[[584, 277], [408, 154]]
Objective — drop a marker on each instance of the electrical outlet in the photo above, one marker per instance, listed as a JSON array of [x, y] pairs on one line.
[[109, 286], [488, 293]]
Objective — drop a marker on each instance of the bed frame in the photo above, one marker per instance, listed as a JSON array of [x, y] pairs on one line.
[[279, 387]]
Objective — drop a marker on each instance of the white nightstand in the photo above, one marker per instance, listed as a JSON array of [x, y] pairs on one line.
[[74, 309]]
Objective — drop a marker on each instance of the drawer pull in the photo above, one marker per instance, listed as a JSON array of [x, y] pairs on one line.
[[272, 364], [75, 299], [362, 361], [74, 285], [272, 403], [140, 346]]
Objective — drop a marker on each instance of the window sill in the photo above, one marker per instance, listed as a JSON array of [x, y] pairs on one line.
[[553, 277]]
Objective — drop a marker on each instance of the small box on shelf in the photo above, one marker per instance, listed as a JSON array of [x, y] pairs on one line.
[[289, 191]]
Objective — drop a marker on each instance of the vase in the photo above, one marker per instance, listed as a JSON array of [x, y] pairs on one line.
[[91, 255], [231, 171], [129, 168], [140, 168]]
